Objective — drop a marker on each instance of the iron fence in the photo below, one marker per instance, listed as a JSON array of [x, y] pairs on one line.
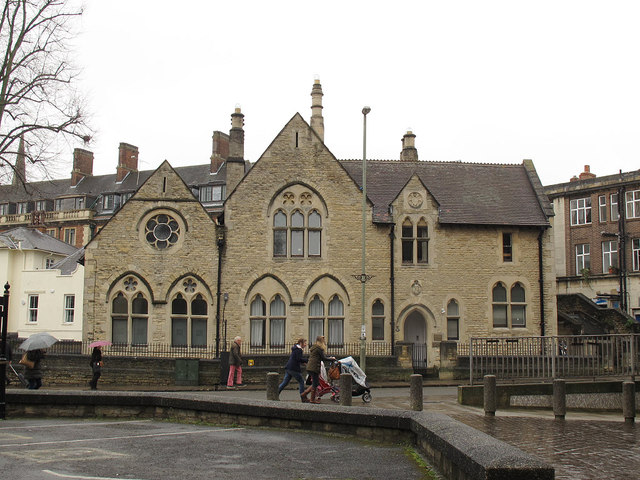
[[208, 352], [545, 358]]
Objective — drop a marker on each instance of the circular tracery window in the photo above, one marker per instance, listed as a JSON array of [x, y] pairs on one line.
[[162, 231]]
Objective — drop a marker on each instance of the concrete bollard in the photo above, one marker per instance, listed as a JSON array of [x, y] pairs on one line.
[[346, 387], [490, 395], [272, 386], [629, 401], [559, 398], [415, 392]]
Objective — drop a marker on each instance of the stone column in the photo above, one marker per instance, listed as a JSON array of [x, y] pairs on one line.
[[346, 385], [415, 392], [559, 398], [272, 386], [490, 395], [629, 401]]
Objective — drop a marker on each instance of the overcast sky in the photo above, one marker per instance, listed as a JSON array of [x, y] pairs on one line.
[[477, 81]]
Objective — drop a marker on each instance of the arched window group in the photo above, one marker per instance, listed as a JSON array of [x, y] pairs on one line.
[[509, 306], [129, 318], [415, 242], [297, 234], [274, 318], [189, 321], [329, 320]]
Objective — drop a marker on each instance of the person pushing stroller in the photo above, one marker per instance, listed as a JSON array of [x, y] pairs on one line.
[[316, 356]]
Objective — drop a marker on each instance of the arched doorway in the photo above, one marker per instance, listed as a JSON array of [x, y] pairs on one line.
[[415, 331]]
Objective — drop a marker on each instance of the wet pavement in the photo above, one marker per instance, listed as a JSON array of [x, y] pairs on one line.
[[584, 446]]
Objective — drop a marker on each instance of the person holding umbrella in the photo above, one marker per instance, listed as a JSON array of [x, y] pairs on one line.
[[35, 347], [96, 362]]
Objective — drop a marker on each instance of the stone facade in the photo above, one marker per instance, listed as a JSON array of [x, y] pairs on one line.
[[290, 239], [126, 258]]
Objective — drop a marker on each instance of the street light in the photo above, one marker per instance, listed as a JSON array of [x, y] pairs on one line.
[[363, 276]]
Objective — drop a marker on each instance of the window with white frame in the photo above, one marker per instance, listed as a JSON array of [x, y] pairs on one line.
[[316, 318], [609, 255], [583, 258], [70, 236], [415, 242], [453, 320], [48, 263], [129, 316], [509, 307], [32, 316], [581, 211], [58, 205], [277, 316], [334, 319], [257, 322], [22, 207], [108, 201], [615, 213], [211, 193], [297, 235], [41, 205], [377, 320], [633, 204], [52, 232], [602, 208], [189, 318], [507, 247], [4, 209], [78, 203], [69, 308], [635, 254]]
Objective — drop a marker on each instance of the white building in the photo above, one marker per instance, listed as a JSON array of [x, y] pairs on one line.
[[46, 284]]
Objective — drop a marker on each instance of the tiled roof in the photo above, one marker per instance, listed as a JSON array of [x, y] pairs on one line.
[[69, 264], [32, 239], [467, 193]]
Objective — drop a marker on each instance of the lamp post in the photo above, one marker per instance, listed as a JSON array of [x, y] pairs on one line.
[[4, 361], [363, 276]]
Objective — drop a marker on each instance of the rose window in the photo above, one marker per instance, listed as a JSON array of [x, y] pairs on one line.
[[162, 231]]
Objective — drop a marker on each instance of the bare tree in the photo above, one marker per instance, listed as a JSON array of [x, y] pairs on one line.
[[38, 100]]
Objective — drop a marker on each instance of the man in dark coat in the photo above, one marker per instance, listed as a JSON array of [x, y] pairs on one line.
[[293, 369]]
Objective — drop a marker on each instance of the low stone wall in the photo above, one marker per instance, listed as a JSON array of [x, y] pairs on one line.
[[596, 396], [457, 450], [142, 372]]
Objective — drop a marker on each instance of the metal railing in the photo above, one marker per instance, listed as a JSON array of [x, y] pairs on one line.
[[546, 358], [163, 350]]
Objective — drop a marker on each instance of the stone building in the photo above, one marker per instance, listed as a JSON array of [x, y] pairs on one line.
[[453, 250], [597, 241]]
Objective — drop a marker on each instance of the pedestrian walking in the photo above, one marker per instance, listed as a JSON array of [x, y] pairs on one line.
[[96, 367], [293, 369], [316, 356], [235, 365], [33, 370]]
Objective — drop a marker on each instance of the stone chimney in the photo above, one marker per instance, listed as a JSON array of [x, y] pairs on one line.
[[82, 165], [317, 121], [235, 161], [220, 150], [409, 152], [127, 161], [587, 173], [19, 169]]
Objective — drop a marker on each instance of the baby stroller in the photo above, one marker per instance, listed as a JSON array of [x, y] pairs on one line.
[[325, 386], [360, 384]]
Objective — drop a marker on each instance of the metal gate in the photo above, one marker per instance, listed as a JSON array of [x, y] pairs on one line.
[[419, 356]]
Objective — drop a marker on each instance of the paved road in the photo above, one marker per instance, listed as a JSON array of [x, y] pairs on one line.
[[585, 446], [37, 449]]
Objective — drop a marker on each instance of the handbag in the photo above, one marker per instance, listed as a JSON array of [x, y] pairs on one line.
[[334, 372], [26, 362], [97, 367]]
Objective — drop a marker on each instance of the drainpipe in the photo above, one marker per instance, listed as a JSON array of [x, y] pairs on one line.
[[392, 278], [220, 244], [541, 280]]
